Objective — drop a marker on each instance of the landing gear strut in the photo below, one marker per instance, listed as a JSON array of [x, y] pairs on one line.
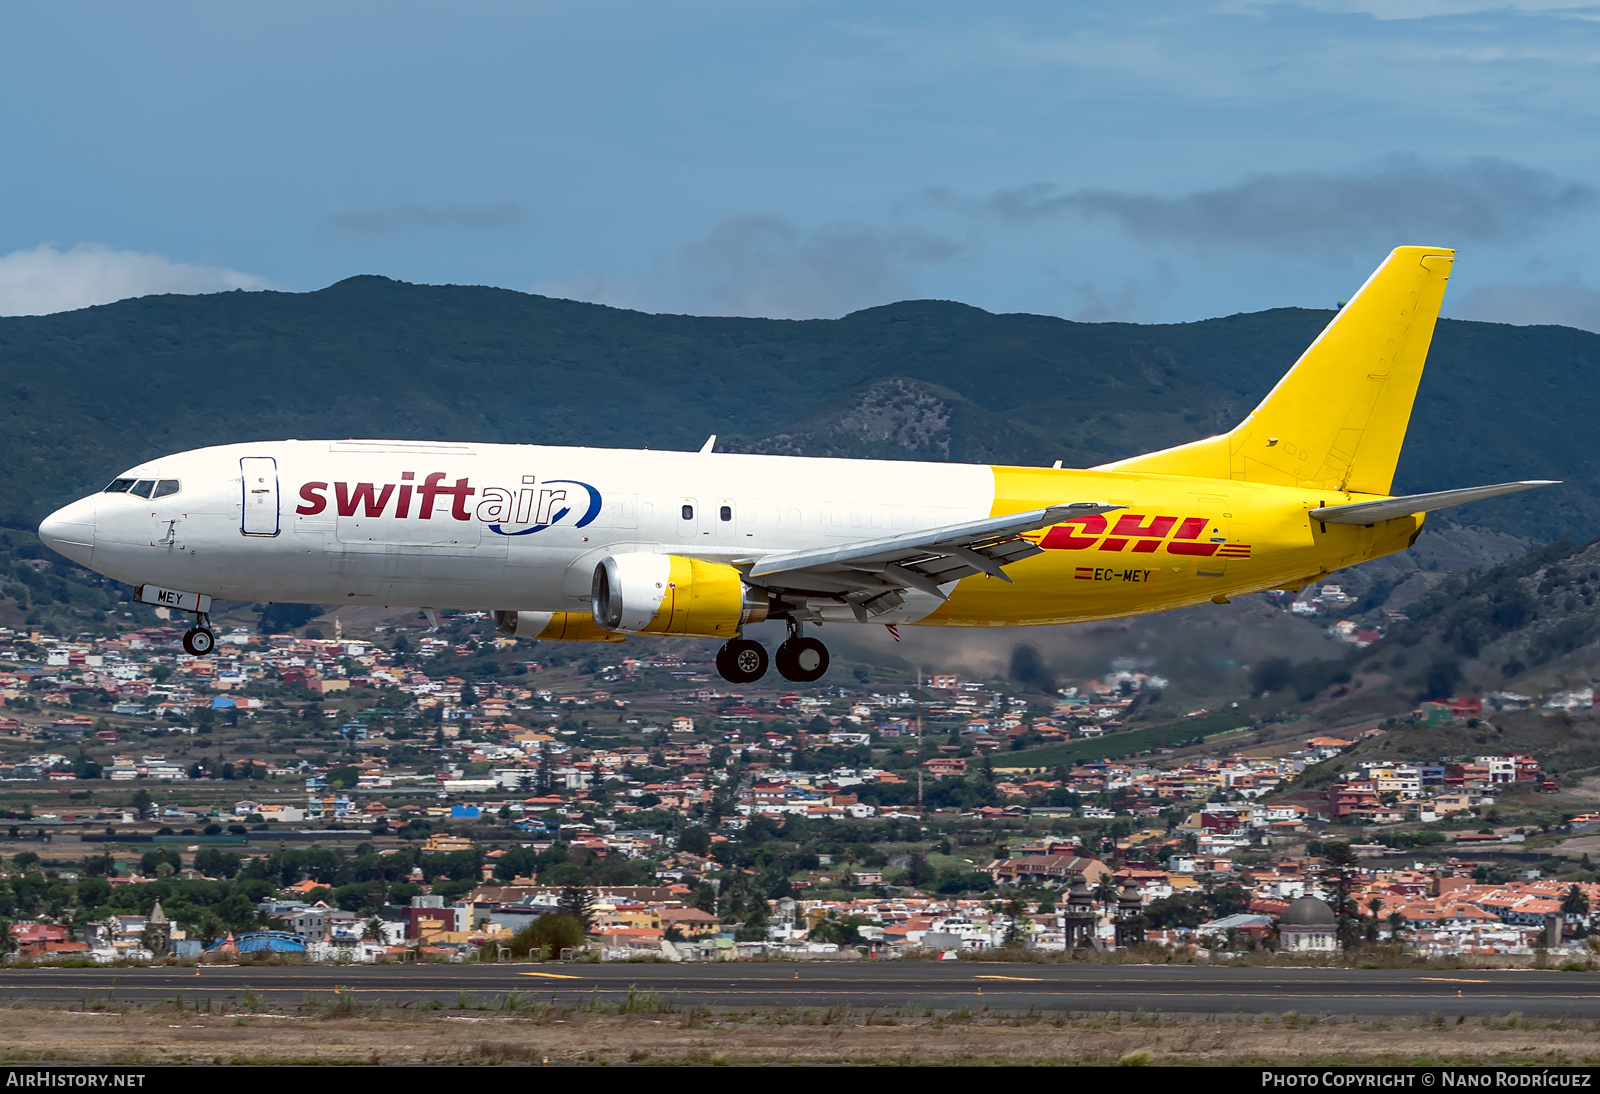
[[742, 661], [199, 639], [801, 659]]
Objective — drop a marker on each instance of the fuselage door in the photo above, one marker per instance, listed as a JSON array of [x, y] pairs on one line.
[[260, 514], [688, 517], [1214, 536]]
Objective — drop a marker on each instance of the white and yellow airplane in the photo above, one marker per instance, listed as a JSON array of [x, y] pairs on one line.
[[591, 545]]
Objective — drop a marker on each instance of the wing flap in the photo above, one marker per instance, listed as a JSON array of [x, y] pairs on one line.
[[922, 560], [1371, 512]]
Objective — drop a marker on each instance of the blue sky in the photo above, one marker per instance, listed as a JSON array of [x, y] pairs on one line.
[[1150, 162]]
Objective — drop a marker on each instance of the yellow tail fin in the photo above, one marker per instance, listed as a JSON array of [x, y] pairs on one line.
[[1337, 419]]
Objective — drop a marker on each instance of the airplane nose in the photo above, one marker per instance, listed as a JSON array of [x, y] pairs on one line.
[[69, 530]]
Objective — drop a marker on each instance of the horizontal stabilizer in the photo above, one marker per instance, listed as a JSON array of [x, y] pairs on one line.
[[1371, 512]]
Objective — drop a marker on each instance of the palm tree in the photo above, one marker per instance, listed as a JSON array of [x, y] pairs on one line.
[[1575, 902], [1105, 891], [1397, 923], [1371, 927], [1016, 910]]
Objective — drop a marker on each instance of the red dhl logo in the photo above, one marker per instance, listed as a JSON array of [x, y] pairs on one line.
[[1140, 535]]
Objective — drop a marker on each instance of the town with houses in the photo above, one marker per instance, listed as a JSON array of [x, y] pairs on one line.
[[436, 791]]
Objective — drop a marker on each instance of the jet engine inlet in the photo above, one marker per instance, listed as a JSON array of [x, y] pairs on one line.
[[553, 627], [670, 594], [506, 622]]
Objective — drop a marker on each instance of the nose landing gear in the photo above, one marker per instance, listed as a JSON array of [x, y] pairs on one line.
[[742, 661], [801, 659], [200, 640]]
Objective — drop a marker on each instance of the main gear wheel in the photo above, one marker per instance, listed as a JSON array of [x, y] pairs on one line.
[[802, 660], [742, 661]]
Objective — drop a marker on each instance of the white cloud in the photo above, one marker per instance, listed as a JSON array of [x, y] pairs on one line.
[[46, 280], [1400, 199], [1564, 304], [766, 266]]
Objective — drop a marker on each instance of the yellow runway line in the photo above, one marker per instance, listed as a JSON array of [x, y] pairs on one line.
[[550, 975], [1031, 979]]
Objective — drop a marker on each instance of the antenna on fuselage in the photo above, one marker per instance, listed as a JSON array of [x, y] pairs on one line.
[[711, 442]]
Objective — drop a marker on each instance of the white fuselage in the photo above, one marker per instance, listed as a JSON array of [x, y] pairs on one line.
[[514, 527]]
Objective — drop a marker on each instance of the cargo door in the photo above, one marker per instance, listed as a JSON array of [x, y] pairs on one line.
[[259, 516], [1202, 535]]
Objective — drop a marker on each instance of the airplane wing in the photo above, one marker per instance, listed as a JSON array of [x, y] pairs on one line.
[[1371, 512], [870, 575]]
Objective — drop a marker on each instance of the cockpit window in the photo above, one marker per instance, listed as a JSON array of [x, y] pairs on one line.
[[143, 487], [119, 486], [166, 487]]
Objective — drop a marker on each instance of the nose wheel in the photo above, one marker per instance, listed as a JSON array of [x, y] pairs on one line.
[[199, 639], [742, 661], [801, 659]]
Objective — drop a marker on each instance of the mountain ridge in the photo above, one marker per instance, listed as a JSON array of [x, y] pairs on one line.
[[90, 392]]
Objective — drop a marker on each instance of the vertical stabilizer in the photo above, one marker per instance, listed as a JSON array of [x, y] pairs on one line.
[[1336, 420]]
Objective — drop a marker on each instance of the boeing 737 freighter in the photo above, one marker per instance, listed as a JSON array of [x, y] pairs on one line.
[[593, 545]]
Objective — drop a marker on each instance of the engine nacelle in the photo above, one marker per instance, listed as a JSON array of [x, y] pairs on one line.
[[670, 594], [553, 627]]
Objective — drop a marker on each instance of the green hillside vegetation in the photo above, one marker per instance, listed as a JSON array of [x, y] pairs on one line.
[[87, 393], [1565, 745], [1117, 746], [41, 590], [1530, 627]]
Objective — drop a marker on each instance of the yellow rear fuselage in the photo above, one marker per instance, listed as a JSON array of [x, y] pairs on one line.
[[1179, 541]]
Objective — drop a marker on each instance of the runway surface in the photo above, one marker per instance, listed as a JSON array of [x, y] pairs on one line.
[[865, 985]]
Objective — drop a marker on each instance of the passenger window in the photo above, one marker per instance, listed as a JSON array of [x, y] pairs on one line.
[[688, 512], [143, 487], [726, 512], [166, 487], [119, 486]]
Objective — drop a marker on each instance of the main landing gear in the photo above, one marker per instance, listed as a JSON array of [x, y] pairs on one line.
[[742, 661], [800, 659], [200, 639]]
